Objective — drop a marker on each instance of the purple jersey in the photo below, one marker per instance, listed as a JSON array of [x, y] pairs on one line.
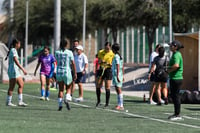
[[46, 63]]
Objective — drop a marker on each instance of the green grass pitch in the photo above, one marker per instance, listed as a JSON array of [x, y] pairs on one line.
[[43, 117]]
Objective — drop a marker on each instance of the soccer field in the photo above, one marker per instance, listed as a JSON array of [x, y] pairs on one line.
[[43, 117]]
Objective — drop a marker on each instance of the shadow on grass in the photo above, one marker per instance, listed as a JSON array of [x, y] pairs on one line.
[[133, 117], [134, 101], [193, 109]]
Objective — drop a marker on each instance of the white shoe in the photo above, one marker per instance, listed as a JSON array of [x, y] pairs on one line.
[[175, 117], [42, 98], [47, 99], [11, 104], [22, 104], [152, 102], [162, 101], [80, 99], [68, 97]]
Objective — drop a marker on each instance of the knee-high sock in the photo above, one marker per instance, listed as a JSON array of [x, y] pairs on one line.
[[121, 100], [47, 93], [98, 93], [107, 96], [42, 92]]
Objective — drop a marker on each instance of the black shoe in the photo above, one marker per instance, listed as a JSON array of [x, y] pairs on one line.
[[159, 104], [60, 108], [166, 101], [67, 105], [106, 106], [98, 104]]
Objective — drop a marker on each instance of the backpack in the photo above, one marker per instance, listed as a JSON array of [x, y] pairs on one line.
[[161, 71]]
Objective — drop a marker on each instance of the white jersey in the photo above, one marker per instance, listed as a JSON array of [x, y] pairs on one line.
[[80, 61]]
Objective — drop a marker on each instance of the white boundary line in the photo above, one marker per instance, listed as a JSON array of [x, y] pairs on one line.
[[126, 113], [185, 116]]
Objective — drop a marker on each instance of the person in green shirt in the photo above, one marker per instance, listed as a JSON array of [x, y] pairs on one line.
[[175, 71]]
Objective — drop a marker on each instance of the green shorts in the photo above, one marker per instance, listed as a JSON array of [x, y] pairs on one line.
[[66, 78], [14, 74], [116, 83]]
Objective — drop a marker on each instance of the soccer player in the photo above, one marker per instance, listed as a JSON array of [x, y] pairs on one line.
[[14, 74], [64, 59], [117, 73], [105, 57], [46, 60]]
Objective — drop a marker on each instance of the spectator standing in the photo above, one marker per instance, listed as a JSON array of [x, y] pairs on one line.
[[81, 62], [161, 76], [151, 76], [175, 71], [75, 44]]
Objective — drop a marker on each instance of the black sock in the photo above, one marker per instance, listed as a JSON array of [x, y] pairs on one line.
[[98, 93], [107, 96]]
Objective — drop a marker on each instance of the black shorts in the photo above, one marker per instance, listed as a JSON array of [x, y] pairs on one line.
[[80, 77], [107, 74], [152, 77], [160, 79]]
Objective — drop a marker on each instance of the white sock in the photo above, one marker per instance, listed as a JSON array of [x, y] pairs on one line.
[[20, 97], [59, 102], [9, 99], [118, 100], [121, 100]]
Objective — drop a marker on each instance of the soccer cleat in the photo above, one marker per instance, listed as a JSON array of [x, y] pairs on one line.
[[119, 108], [60, 108], [162, 101], [80, 99], [11, 104], [159, 104], [98, 104], [42, 98], [152, 102], [166, 101], [175, 117], [105, 106], [22, 104], [67, 105], [69, 97], [47, 99]]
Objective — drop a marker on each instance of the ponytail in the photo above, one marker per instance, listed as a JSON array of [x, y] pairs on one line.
[[119, 55], [116, 47], [14, 42], [8, 52], [63, 44]]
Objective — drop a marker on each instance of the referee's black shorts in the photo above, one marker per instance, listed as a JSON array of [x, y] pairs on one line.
[[107, 73]]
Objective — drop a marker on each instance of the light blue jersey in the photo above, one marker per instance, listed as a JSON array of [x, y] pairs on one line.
[[13, 70], [117, 60], [64, 59]]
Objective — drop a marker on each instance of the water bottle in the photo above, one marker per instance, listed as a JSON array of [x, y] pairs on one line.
[[144, 98]]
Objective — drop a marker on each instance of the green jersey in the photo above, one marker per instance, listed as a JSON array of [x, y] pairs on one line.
[[117, 61], [176, 59]]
